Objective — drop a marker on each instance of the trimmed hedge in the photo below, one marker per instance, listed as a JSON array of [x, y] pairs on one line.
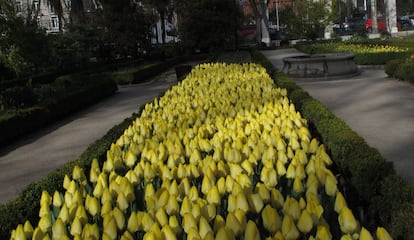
[[369, 182], [401, 69], [23, 121], [366, 58]]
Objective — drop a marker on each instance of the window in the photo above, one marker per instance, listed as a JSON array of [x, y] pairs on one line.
[[39, 22], [18, 6], [36, 5], [54, 23]]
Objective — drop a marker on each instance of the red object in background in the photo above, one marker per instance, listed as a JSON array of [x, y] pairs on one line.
[[380, 24], [247, 30]]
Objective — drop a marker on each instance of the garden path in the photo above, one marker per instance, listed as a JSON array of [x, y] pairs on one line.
[[32, 158], [380, 109]]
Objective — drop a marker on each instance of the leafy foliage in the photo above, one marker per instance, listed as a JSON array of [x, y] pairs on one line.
[[208, 24]]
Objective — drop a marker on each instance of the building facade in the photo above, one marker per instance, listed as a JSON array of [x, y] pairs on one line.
[[41, 12]]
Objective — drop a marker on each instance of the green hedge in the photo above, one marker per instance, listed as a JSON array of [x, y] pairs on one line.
[[366, 58], [369, 182], [378, 58], [16, 123], [402, 69]]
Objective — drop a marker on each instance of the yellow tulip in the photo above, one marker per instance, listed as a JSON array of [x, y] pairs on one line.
[[204, 227], [248, 168], [119, 218], [38, 234], [323, 155], [18, 233], [276, 199], [365, 235], [109, 227], [81, 214], [289, 229], [58, 230], [251, 231], [196, 210], [291, 171], [291, 208], [122, 202], [95, 171], [271, 219], [208, 211], [206, 184], [233, 224], [172, 207], [92, 205], [225, 234], [64, 214], [213, 195], [98, 190], [219, 223], [263, 192], [44, 224], [188, 222], [298, 185], [305, 222], [106, 208], [130, 158], [382, 234], [45, 199], [76, 227], [167, 233], [175, 225], [323, 233], [347, 237], [28, 229], [330, 184], [66, 182], [221, 185], [161, 217], [173, 190], [57, 199], [133, 224], [78, 174], [132, 177], [347, 221], [255, 202], [185, 206], [44, 211], [127, 236], [340, 202]]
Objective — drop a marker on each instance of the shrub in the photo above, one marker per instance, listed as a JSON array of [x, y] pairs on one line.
[[406, 72], [18, 97], [392, 66], [378, 58]]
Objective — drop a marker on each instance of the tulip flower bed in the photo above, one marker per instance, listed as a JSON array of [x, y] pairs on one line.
[[222, 155], [365, 54]]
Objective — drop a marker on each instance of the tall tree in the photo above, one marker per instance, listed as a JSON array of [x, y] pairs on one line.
[[207, 24], [259, 8], [126, 27]]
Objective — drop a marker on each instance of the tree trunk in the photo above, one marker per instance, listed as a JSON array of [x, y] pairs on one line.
[[374, 16], [262, 23], [162, 17]]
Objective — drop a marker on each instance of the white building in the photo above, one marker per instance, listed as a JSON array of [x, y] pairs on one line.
[[44, 15]]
